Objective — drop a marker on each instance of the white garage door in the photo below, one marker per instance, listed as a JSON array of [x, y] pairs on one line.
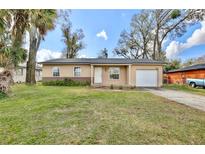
[[146, 78]]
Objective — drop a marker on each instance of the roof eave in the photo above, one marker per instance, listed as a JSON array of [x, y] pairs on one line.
[[142, 63], [186, 70]]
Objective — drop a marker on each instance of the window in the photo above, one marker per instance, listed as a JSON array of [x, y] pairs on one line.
[[56, 71], [114, 73], [19, 71], [38, 73], [77, 71]]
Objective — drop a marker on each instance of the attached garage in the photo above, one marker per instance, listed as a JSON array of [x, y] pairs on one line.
[[146, 78], [107, 71]]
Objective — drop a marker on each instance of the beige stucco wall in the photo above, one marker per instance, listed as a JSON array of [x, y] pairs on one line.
[[22, 77], [106, 81], [66, 70], [156, 67]]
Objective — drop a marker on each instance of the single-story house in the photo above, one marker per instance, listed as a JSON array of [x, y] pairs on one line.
[[179, 76], [19, 74], [106, 72]]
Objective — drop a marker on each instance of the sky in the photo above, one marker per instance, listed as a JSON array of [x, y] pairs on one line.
[[102, 29]]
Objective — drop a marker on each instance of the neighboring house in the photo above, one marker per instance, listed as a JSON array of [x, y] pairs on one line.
[[106, 72], [179, 76], [19, 74]]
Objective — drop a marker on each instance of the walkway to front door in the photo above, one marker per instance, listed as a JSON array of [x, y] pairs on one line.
[[193, 100]]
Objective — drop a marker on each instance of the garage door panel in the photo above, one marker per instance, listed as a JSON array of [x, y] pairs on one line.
[[146, 78]]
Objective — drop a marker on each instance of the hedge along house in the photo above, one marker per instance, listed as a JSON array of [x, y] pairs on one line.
[[179, 76], [106, 72]]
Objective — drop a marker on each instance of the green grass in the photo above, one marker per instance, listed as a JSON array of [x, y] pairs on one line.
[[2, 95], [185, 88], [81, 115]]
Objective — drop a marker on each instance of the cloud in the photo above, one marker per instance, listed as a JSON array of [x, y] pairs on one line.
[[82, 56], [45, 54], [197, 38], [102, 34]]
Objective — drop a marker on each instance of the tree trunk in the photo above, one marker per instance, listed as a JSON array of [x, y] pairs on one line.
[[159, 51], [154, 46], [35, 39]]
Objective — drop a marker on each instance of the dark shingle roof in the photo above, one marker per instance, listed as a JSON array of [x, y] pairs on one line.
[[37, 67], [101, 61], [189, 68]]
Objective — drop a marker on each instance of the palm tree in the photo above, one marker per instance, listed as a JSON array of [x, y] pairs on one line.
[[2, 20], [20, 25], [41, 21], [12, 26], [16, 23]]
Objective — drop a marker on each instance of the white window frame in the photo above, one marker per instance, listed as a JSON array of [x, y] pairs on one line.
[[19, 72], [56, 67], [77, 72], [38, 73], [110, 73]]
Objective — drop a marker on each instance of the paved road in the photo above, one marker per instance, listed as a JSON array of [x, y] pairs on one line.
[[193, 100]]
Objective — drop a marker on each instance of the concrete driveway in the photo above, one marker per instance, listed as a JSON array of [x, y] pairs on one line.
[[193, 100]]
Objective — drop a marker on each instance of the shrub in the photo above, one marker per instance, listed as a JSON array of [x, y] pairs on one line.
[[121, 87], [65, 82], [2, 95], [132, 87], [111, 86]]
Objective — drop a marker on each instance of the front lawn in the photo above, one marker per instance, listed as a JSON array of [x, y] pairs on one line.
[[185, 88], [81, 115]]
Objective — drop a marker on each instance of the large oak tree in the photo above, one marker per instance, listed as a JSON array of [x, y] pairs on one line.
[[150, 28], [72, 40]]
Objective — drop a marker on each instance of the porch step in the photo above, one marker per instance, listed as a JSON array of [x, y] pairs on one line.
[[97, 85]]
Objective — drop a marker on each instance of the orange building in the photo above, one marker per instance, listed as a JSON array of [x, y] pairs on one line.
[[179, 76]]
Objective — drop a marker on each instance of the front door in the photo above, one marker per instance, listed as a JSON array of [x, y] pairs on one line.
[[98, 75]]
